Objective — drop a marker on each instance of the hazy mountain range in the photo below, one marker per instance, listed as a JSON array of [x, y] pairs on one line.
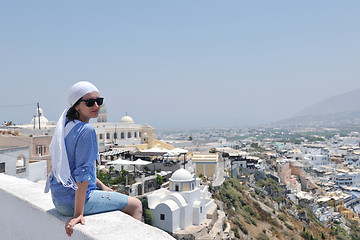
[[339, 109]]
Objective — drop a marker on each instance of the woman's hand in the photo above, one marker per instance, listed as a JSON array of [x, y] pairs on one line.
[[69, 226], [102, 186], [106, 188], [78, 217]]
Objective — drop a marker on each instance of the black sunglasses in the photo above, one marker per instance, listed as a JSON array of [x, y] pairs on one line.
[[90, 102]]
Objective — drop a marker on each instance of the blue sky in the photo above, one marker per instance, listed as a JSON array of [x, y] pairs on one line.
[[179, 63]]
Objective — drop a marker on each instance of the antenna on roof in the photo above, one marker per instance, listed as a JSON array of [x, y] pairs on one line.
[[38, 109]]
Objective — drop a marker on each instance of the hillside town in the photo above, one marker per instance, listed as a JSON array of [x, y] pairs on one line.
[[178, 173]]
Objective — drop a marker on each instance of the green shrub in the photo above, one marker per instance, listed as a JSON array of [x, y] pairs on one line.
[[289, 226], [261, 183], [210, 187], [354, 230], [273, 229], [262, 236], [273, 222], [256, 205], [282, 217], [253, 222], [104, 178], [148, 218], [341, 237], [236, 232], [251, 211], [237, 222], [237, 185], [224, 226], [323, 236], [306, 235], [231, 212], [159, 179]]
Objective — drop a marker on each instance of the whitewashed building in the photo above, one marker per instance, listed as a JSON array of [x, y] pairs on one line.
[[347, 179], [39, 125], [124, 133], [353, 159], [316, 154], [14, 161], [182, 205]]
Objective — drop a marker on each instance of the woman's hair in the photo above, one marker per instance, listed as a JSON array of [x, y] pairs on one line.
[[72, 114]]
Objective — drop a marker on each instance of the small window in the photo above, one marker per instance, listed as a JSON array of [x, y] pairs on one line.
[[37, 150], [122, 135], [129, 134], [200, 209], [20, 162], [2, 167], [135, 134], [139, 134], [100, 136], [20, 165], [115, 135], [162, 216], [44, 148], [108, 136], [176, 188]]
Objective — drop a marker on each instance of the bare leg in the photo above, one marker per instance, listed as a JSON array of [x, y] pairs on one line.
[[134, 208]]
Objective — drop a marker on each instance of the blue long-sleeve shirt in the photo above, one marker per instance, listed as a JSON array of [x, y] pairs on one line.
[[82, 150]]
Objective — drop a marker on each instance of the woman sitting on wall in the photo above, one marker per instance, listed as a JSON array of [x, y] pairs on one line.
[[75, 189]]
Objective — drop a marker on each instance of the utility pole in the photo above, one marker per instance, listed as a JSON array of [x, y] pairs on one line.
[[184, 159], [38, 108], [115, 134]]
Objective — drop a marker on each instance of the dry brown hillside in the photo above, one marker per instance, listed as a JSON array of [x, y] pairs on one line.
[[262, 212]]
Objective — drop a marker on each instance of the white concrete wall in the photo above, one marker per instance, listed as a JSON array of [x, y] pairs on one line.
[[34, 171], [196, 213], [171, 223], [28, 214], [10, 156], [186, 218], [37, 171]]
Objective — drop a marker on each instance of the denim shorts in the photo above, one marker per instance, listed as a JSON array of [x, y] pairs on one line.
[[98, 202]]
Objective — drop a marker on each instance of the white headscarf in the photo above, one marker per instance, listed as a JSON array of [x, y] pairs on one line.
[[60, 164]]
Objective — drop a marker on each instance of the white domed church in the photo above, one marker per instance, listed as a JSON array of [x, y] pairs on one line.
[[123, 133], [39, 117], [182, 205]]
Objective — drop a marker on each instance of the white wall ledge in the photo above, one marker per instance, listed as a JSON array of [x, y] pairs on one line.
[[28, 213]]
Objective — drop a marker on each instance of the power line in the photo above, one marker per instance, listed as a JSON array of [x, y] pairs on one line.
[[31, 143], [21, 139], [30, 158], [20, 105]]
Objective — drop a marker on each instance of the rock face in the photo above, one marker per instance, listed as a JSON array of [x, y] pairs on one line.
[[252, 214]]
